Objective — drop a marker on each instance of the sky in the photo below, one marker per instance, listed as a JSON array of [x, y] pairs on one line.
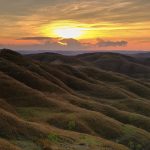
[[75, 24]]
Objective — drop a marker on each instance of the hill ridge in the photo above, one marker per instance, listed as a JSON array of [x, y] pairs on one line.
[[73, 103]]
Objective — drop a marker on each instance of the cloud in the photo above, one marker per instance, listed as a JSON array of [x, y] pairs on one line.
[[108, 10], [49, 43], [71, 43], [18, 18], [40, 39], [102, 43], [35, 38]]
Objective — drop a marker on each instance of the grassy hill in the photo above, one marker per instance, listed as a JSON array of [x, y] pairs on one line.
[[49, 101], [120, 63]]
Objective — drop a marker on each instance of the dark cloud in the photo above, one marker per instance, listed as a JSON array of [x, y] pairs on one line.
[[103, 43], [35, 38], [71, 42], [42, 40], [48, 43]]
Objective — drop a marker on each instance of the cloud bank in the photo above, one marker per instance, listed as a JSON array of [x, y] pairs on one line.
[[103, 43], [49, 43]]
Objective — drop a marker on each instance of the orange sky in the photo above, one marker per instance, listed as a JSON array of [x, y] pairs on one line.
[[75, 24]]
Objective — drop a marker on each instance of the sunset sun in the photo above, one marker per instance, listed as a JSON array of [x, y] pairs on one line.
[[68, 32], [66, 29]]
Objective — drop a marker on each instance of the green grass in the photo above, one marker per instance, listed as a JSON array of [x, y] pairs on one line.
[[71, 125], [89, 140], [53, 137], [27, 145]]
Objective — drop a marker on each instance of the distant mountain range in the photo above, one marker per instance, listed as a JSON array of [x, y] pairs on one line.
[[77, 52], [89, 101]]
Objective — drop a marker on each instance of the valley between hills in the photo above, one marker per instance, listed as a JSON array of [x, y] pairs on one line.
[[93, 101]]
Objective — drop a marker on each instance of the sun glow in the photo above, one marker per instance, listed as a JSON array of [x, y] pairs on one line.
[[68, 32], [93, 30], [65, 29]]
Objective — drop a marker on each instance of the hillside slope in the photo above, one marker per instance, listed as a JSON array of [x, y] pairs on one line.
[[131, 66], [51, 101]]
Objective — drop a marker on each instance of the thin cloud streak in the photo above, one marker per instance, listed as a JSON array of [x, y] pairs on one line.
[[102, 43]]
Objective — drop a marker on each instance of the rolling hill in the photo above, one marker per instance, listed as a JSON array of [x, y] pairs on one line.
[[95, 101], [120, 63]]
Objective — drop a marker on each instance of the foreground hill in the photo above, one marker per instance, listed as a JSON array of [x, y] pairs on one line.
[[50, 101]]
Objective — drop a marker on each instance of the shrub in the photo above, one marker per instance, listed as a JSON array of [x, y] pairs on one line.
[[71, 125], [53, 137]]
